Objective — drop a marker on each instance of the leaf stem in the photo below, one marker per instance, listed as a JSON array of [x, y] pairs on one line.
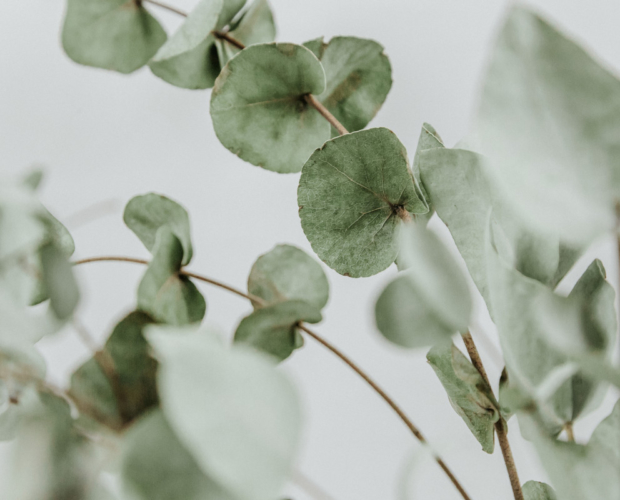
[[223, 35], [314, 102], [570, 435], [253, 298], [500, 427]]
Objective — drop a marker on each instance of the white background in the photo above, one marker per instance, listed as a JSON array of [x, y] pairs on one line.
[[104, 137]]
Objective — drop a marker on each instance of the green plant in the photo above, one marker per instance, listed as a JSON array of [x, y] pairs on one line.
[[182, 415]]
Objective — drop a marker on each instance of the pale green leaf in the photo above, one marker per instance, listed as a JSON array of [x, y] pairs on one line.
[[164, 293], [112, 34], [533, 490], [236, 415], [59, 282], [146, 214], [549, 118], [288, 273], [350, 195], [273, 329], [429, 139], [359, 77], [156, 466], [428, 302], [258, 106], [132, 391], [592, 468], [463, 191], [469, 394], [255, 26], [189, 58]]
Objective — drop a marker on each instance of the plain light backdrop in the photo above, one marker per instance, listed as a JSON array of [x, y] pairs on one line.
[[103, 138]]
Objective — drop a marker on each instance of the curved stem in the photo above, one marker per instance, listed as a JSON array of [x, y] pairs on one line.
[[500, 427], [414, 430]]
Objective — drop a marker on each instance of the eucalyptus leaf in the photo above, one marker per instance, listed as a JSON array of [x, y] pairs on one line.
[[351, 195], [156, 466], [462, 189], [164, 293], [258, 106], [235, 414], [119, 35], [359, 77], [273, 329], [146, 214], [428, 302], [469, 394], [132, 390], [288, 273], [255, 26], [429, 139], [59, 282], [549, 117], [593, 467], [189, 58], [533, 490]]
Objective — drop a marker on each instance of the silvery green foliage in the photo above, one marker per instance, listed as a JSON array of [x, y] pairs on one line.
[[429, 301]]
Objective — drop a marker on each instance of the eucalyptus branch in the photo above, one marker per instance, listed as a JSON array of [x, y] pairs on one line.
[[224, 35], [500, 428], [253, 298]]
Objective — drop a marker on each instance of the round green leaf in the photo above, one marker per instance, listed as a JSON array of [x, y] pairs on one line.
[[359, 77], [272, 329], [189, 58], [258, 106], [112, 34], [232, 410], [350, 194], [146, 214], [156, 466], [533, 490], [288, 273], [165, 294]]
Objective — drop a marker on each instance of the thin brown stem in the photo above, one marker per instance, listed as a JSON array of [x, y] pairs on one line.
[[313, 101], [165, 6], [500, 427], [253, 298], [570, 435], [199, 277], [414, 430], [223, 35]]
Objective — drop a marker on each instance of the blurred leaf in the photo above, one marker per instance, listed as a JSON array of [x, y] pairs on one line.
[[156, 466], [255, 26], [462, 190], [258, 106], [166, 295], [146, 214], [189, 59], [272, 329], [592, 469], [236, 415], [59, 282], [132, 389], [288, 273], [533, 490], [428, 302], [350, 194], [359, 77], [112, 34], [469, 394], [550, 117]]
